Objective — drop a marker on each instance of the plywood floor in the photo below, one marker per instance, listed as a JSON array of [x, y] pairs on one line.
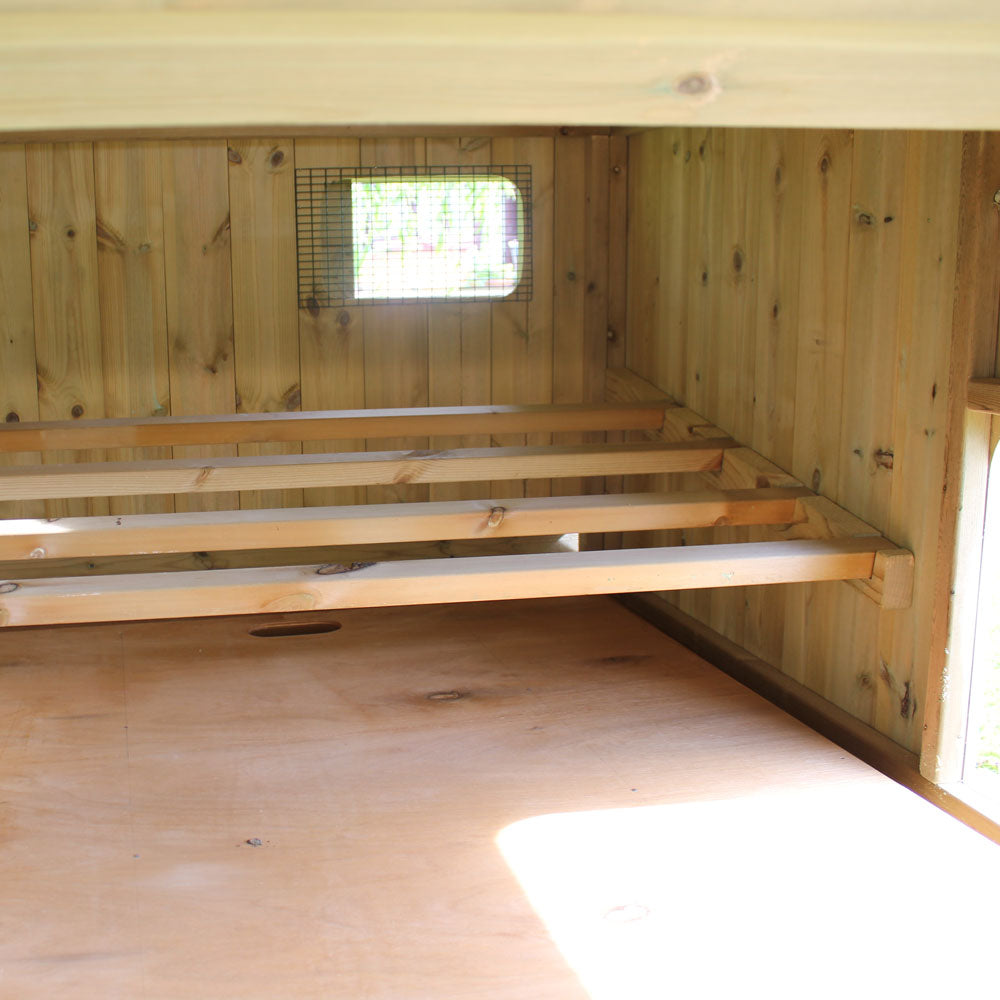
[[526, 800]]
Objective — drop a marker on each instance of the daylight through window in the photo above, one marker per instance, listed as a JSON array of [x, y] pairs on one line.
[[409, 234]]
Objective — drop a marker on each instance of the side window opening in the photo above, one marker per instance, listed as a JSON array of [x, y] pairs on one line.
[[981, 767]]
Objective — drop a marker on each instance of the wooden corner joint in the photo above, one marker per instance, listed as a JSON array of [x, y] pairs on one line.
[[891, 582], [816, 517]]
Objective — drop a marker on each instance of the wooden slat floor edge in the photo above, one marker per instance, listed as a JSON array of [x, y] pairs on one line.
[[141, 534], [328, 425], [198, 475], [139, 596], [855, 736]]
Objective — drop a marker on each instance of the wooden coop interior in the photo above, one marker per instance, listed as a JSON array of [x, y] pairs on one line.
[[379, 650]]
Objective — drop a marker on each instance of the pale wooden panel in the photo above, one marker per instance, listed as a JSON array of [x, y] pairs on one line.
[[703, 197], [193, 475], [734, 341], [777, 313], [434, 581], [926, 302], [775, 321], [865, 474], [644, 229], [809, 614], [538, 372], [459, 335], [18, 386], [522, 331], [652, 69], [265, 311], [906, 10], [570, 306], [396, 348], [331, 341], [199, 292], [868, 257], [131, 289], [618, 272], [36, 539], [562, 709], [64, 283], [822, 305], [974, 347]]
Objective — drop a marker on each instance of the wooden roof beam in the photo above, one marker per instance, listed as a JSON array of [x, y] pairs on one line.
[[237, 68]]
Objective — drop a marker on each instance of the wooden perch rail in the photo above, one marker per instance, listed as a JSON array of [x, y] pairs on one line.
[[336, 425], [138, 534], [743, 468], [812, 539], [110, 479], [434, 581]]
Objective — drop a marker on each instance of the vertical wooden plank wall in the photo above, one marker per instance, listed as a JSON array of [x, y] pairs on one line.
[[18, 377], [804, 305], [159, 277], [132, 295]]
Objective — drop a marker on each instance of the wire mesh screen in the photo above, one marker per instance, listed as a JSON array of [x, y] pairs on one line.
[[412, 234]]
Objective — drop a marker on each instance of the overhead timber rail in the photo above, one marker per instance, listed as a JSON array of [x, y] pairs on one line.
[[925, 64]]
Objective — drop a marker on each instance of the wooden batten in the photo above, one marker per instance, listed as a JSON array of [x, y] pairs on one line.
[[336, 425], [984, 394], [389, 523], [311, 588], [348, 469]]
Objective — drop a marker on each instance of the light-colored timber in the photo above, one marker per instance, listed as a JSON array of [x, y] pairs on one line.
[[331, 425], [38, 539], [891, 585], [312, 588], [652, 67], [984, 394], [503, 801], [194, 475]]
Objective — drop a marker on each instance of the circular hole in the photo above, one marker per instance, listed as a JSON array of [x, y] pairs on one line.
[[293, 628]]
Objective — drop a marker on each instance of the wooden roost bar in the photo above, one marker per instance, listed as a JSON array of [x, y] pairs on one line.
[[364, 643]]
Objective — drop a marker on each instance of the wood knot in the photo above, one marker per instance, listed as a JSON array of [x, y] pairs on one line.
[[277, 158], [884, 458], [12, 418], [77, 411], [335, 569], [8, 588], [496, 517], [445, 695], [695, 84], [234, 156]]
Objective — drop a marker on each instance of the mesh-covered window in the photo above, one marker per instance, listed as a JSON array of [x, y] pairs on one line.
[[413, 234]]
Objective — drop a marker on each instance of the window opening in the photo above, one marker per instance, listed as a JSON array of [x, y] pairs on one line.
[[981, 769], [413, 234]]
